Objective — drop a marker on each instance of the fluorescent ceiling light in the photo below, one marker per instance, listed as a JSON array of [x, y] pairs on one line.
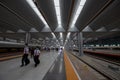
[[57, 9], [82, 2], [79, 10], [59, 24], [33, 6], [59, 21], [68, 35], [53, 35], [61, 35], [56, 2], [80, 7]]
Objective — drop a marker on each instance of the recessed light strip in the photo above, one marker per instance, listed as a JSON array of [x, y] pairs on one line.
[[80, 7], [53, 35], [68, 35], [33, 6], [61, 35], [57, 9]]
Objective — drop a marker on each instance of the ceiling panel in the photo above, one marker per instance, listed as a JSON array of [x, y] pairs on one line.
[[9, 21], [25, 13], [109, 18], [66, 6], [48, 11], [17, 14], [90, 9]]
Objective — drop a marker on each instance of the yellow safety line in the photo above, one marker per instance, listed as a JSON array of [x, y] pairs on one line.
[[70, 73], [9, 57]]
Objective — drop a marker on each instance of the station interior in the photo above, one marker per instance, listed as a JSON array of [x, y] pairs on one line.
[[77, 39]]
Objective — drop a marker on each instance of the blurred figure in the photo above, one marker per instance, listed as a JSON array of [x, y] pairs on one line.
[[25, 60], [36, 56], [32, 52], [60, 51], [56, 49]]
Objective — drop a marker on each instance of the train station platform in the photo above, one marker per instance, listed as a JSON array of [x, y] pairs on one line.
[[11, 70], [53, 66]]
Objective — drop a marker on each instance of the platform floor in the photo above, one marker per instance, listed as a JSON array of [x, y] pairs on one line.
[[53, 66], [57, 70], [11, 70]]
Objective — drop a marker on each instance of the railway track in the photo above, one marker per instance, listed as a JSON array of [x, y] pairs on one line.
[[108, 75], [106, 60]]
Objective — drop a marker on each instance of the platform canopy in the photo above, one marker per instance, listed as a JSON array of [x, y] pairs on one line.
[[50, 21]]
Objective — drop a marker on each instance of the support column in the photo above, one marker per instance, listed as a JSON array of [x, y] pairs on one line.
[[80, 43], [27, 38], [71, 44], [67, 46]]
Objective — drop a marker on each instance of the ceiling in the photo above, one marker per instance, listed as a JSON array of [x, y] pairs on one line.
[[17, 18]]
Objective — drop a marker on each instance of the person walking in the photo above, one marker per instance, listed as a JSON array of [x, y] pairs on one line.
[[36, 56], [61, 50], [25, 60]]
